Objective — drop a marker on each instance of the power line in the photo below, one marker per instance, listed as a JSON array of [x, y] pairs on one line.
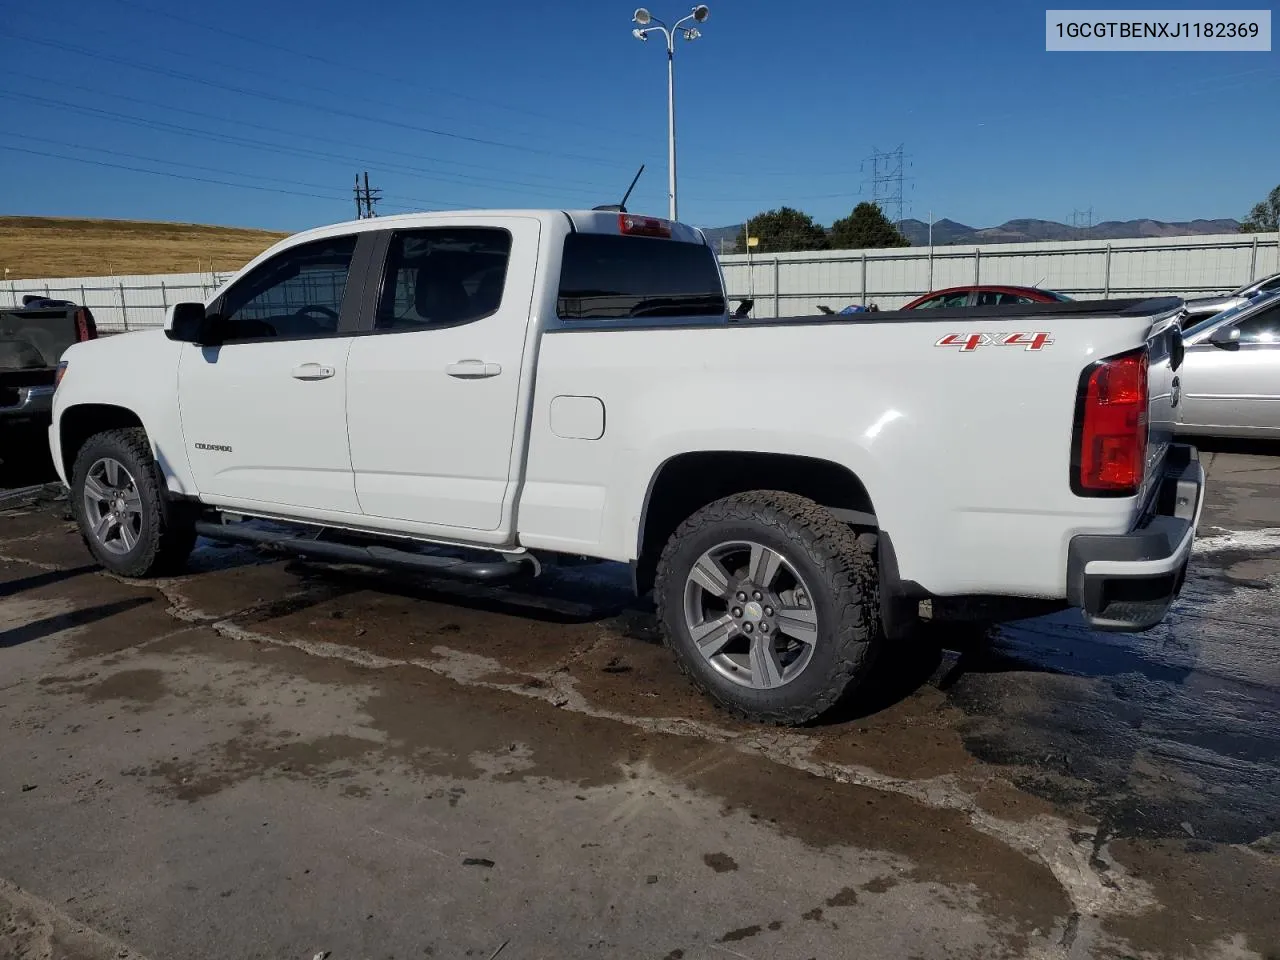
[[361, 68], [295, 102], [270, 147], [231, 173], [165, 173], [467, 164]]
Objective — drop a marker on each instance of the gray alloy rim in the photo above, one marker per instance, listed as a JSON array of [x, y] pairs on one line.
[[112, 506], [750, 614]]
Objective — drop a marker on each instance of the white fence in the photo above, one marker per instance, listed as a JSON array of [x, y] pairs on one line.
[[120, 304], [789, 284], [796, 283]]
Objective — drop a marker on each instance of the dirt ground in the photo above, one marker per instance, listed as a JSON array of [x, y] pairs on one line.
[[279, 759], [54, 247]]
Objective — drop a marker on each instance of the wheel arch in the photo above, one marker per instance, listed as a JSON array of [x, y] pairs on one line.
[[688, 481], [80, 422]]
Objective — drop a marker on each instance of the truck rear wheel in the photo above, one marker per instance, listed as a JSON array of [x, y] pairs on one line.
[[771, 605], [117, 501]]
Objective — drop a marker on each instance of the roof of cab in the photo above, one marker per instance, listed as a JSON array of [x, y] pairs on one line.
[[585, 221]]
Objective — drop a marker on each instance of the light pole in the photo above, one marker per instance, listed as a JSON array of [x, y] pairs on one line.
[[647, 25]]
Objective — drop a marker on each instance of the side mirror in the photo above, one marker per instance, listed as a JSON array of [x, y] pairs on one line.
[[1225, 337], [188, 323], [743, 308]]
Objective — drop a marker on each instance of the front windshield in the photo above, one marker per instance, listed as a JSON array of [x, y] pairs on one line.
[[1226, 315], [1062, 297]]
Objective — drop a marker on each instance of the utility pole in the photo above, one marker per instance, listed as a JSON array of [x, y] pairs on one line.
[[1082, 220], [366, 197], [888, 173]]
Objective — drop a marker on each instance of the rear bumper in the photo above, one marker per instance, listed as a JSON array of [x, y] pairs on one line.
[[32, 402], [1127, 582]]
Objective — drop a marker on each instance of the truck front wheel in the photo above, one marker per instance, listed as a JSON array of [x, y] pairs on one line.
[[771, 605], [117, 501]]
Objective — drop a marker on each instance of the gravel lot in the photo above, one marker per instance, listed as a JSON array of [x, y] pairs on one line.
[[281, 759]]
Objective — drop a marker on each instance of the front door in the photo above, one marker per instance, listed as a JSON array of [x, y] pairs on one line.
[[1235, 389], [264, 414], [434, 389]]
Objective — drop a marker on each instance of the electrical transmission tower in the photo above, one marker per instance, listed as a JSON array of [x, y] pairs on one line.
[[1082, 222], [366, 198], [888, 174]]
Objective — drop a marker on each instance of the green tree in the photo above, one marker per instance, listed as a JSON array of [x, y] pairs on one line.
[[783, 231], [1265, 216], [866, 228]]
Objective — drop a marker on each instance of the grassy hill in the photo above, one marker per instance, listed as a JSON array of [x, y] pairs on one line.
[[55, 247]]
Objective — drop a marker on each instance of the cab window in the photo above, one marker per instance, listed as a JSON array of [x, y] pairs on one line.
[[294, 295]]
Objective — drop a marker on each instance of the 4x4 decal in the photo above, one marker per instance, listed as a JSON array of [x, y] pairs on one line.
[[968, 342]]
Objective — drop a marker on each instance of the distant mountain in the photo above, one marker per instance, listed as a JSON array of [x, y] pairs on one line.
[[949, 232]]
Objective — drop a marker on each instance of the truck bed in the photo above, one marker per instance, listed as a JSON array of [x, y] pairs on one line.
[[1132, 306]]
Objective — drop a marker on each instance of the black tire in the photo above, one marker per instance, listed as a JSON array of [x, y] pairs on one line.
[[162, 547], [838, 565]]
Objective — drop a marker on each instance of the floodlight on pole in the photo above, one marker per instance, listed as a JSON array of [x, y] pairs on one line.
[[647, 25]]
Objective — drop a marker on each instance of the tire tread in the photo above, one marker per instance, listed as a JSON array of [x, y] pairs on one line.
[[846, 558], [167, 546]]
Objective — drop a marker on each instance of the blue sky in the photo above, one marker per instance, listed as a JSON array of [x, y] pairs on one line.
[[508, 104]]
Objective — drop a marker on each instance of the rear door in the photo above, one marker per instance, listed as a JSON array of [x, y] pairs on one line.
[[434, 384]]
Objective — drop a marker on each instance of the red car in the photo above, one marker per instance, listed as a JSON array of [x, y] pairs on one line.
[[983, 295]]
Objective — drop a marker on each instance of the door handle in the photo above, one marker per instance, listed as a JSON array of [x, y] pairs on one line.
[[312, 371], [473, 369]]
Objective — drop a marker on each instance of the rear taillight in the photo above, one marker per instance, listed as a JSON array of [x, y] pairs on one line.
[[1110, 444], [632, 226], [86, 329]]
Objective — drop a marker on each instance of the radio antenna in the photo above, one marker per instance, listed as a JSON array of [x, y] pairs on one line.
[[623, 205]]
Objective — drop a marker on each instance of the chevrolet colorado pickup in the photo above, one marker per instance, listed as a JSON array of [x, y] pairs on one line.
[[477, 394]]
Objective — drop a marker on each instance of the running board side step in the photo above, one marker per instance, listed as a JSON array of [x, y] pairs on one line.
[[369, 555]]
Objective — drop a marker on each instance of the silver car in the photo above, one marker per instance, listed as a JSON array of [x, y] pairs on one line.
[[1230, 376], [1200, 307]]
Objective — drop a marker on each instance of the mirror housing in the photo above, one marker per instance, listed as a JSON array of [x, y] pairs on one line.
[[188, 323], [743, 308], [1225, 337]]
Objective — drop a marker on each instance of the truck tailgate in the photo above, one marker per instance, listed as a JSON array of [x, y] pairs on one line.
[[35, 339]]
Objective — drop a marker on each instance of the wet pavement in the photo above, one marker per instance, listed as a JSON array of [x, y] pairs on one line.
[[271, 758]]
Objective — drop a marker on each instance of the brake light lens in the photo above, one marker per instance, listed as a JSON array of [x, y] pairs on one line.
[[86, 329], [1111, 427], [632, 226]]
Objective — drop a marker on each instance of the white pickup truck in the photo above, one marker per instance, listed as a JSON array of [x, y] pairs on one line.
[[475, 394]]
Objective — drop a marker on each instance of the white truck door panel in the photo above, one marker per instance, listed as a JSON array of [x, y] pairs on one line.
[[432, 393], [257, 430], [264, 414]]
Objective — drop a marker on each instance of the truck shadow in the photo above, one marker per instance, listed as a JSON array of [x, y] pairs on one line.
[[1248, 447], [39, 629], [565, 596], [24, 456]]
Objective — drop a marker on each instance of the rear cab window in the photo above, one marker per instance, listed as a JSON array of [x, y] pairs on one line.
[[442, 277], [617, 277]]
